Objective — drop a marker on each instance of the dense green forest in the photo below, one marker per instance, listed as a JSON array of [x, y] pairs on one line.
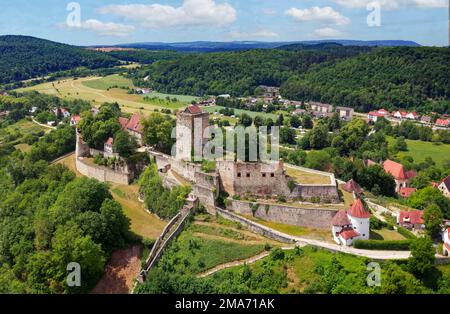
[[24, 57], [360, 77], [236, 73], [143, 56]]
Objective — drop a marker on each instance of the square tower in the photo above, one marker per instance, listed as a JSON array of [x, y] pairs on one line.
[[190, 133]]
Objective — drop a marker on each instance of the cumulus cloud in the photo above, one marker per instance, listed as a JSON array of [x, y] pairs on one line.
[[249, 35], [190, 13], [328, 32], [102, 28], [394, 4], [325, 14]]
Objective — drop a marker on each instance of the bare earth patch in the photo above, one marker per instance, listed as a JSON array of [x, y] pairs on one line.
[[120, 272]]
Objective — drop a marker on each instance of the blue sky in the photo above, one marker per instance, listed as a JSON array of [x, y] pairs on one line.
[[123, 21]]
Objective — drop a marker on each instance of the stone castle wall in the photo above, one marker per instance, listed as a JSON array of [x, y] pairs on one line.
[[102, 174], [318, 218]]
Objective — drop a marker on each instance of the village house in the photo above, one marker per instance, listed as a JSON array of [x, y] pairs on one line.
[[33, 110], [61, 112], [345, 113], [412, 220], [299, 112], [402, 178], [400, 115], [425, 120], [373, 116], [444, 187], [270, 92], [74, 120], [444, 123], [351, 225], [133, 126], [143, 91], [446, 239], [412, 115], [320, 108]]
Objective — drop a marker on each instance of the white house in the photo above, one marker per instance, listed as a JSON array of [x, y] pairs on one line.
[[108, 148], [400, 115], [412, 115], [446, 239], [351, 225]]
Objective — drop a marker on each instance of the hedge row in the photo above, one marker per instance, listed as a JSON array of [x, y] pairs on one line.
[[406, 233], [394, 245]]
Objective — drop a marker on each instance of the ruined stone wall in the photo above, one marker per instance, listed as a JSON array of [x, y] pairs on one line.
[[206, 188], [317, 218], [257, 179], [326, 193], [102, 174]]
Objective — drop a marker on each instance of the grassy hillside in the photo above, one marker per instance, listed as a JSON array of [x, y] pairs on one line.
[[24, 57]]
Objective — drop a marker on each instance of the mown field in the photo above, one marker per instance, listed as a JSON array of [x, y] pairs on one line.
[[97, 90], [419, 150]]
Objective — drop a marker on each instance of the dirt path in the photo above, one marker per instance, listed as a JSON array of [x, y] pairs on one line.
[[120, 272], [246, 261]]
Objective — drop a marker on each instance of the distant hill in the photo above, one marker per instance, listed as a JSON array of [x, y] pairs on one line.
[[209, 46], [24, 57]]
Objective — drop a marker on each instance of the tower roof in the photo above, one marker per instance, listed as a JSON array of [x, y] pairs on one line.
[[193, 109], [340, 219], [358, 210], [352, 186]]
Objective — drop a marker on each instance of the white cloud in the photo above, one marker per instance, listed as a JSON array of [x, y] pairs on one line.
[[394, 4], [328, 32], [191, 13], [325, 14], [249, 35], [102, 28]]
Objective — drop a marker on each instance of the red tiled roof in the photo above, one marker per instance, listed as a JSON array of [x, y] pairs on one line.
[[395, 169], [352, 186], [447, 246], [340, 219], [435, 185], [406, 192], [415, 217], [349, 233], [123, 122], [109, 141], [76, 118], [442, 122], [194, 109], [410, 174], [376, 114], [383, 111], [446, 182], [358, 210], [134, 123]]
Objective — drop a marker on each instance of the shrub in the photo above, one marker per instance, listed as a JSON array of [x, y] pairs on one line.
[[281, 198], [406, 233], [395, 245]]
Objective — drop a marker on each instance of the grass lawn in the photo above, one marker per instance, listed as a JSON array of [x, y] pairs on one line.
[[386, 234], [25, 148], [69, 162], [212, 109], [107, 82], [419, 150], [304, 177], [142, 223], [317, 234], [18, 131]]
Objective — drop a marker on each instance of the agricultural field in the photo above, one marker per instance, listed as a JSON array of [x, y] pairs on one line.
[[95, 89], [419, 150]]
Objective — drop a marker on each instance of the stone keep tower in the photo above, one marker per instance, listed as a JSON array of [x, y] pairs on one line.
[[191, 125]]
